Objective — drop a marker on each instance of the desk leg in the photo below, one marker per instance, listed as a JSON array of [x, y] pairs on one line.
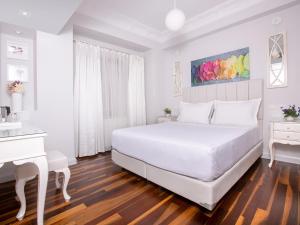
[[271, 147], [42, 165]]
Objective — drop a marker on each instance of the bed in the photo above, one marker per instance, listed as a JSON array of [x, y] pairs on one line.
[[197, 161]]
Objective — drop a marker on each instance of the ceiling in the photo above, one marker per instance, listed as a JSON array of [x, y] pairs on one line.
[[17, 31], [136, 24], [45, 15], [150, 13], [145, 18]]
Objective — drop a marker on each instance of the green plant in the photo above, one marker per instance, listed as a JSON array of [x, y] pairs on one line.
[[291, 111], [167, 111]]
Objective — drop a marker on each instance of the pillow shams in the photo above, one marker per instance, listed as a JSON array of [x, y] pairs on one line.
[[236, 112], [195, 112]]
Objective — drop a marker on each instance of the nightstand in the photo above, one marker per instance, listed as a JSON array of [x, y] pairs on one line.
[[163, 119], [283, 132]]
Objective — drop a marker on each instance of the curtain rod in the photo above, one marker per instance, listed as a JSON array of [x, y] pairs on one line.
[[110, 49]]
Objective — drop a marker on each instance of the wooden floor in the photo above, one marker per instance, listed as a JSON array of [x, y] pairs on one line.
[[103, 193]]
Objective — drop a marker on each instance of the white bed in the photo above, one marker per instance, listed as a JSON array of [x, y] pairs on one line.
[[199, 151], [199, 162]]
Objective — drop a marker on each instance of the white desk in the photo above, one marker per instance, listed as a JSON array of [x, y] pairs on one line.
[[283, 132], [27, 146]]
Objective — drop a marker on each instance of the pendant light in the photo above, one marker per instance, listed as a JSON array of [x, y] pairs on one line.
[[175, 18]]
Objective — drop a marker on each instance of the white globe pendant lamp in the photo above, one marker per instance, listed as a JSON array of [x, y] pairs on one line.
[[175, 19]]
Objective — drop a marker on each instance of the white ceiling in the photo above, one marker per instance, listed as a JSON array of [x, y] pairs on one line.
[[134, 22], [145, 18], [45, 15], [17, 31], [148, 12]]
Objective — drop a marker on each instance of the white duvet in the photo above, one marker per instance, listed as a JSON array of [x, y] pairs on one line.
[[200, 151]]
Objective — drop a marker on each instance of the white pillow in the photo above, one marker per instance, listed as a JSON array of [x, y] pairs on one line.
[[195, 112], [236, 112]]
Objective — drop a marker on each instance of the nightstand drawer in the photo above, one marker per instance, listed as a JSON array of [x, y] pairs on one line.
[[289, 136], [287, 127]]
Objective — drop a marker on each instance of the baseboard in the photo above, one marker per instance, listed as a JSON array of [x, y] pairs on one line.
[[282, 158], [72, 161]]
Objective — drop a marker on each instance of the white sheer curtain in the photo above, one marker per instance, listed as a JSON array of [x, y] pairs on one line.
[[88, 105], [136, 91], [114, 71], [108, 94]]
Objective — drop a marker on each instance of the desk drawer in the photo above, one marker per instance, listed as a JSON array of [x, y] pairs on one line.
[[287, 127], [21, 149], [289, 136]]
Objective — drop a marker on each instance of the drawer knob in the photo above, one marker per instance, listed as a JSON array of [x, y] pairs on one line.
[[288, 128], [288, 136]]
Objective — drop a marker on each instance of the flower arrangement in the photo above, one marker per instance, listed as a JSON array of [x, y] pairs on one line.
[[167, 111], [15, 87], [291, 112]]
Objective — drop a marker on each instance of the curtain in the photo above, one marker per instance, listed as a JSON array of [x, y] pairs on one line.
[[136, 91], [88, 106], [114, 71], [108, 94]]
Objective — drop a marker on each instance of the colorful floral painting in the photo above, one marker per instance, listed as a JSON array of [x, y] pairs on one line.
[[227, 67]]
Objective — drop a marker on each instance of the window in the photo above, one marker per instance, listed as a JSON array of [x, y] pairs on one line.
[[277, 65]]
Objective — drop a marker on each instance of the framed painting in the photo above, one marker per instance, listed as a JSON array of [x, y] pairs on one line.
[[17, 50], [227, 67]]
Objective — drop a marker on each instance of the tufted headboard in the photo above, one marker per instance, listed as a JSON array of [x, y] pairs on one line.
[[233, 91]]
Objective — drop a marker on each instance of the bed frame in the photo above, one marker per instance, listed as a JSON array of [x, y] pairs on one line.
[[206, 194]]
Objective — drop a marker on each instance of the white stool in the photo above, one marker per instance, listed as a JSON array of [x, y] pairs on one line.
[[57, 162]]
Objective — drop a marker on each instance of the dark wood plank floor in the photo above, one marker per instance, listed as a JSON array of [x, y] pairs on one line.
[[103, 193]]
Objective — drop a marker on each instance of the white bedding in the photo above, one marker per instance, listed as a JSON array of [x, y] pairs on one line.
[[200, 151]]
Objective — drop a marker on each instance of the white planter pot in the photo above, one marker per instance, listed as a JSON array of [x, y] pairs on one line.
[[167, 115], [16, 102], [290, 118]]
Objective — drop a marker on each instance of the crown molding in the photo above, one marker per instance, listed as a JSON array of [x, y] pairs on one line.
[[230, 16], [228, 13], [94, 26]]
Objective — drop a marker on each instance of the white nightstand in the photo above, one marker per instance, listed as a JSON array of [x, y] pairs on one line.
[[163, 119], [285, 133]]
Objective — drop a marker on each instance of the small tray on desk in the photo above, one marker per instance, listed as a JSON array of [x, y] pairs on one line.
[[10, 125]]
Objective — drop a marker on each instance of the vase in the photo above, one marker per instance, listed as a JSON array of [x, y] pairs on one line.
[[16, 102], [290, 118], [168, 114]]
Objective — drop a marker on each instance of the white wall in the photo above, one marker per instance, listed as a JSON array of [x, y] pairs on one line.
[[54, 84], [28, 95], [253, 34], [154, 86], [54, 114]]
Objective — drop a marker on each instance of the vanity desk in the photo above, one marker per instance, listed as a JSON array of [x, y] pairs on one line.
[[283, 132], [26, 145]]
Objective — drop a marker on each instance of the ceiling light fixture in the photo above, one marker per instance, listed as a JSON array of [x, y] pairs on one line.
[[175, 18], [18, 32], [24, 13]]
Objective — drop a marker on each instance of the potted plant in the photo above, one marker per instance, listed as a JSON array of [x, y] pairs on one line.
[[168, 112], [290, 113], [16, 90]]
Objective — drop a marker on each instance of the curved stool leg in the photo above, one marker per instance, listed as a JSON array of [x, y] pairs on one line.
[[58, 185], [67, 174], [20, 186]]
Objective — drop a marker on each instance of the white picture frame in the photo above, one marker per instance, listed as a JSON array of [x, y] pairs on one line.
[[17, 72], [277, 41], [17, 50]]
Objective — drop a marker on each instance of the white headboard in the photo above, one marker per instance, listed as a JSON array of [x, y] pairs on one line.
[[233, 91]]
